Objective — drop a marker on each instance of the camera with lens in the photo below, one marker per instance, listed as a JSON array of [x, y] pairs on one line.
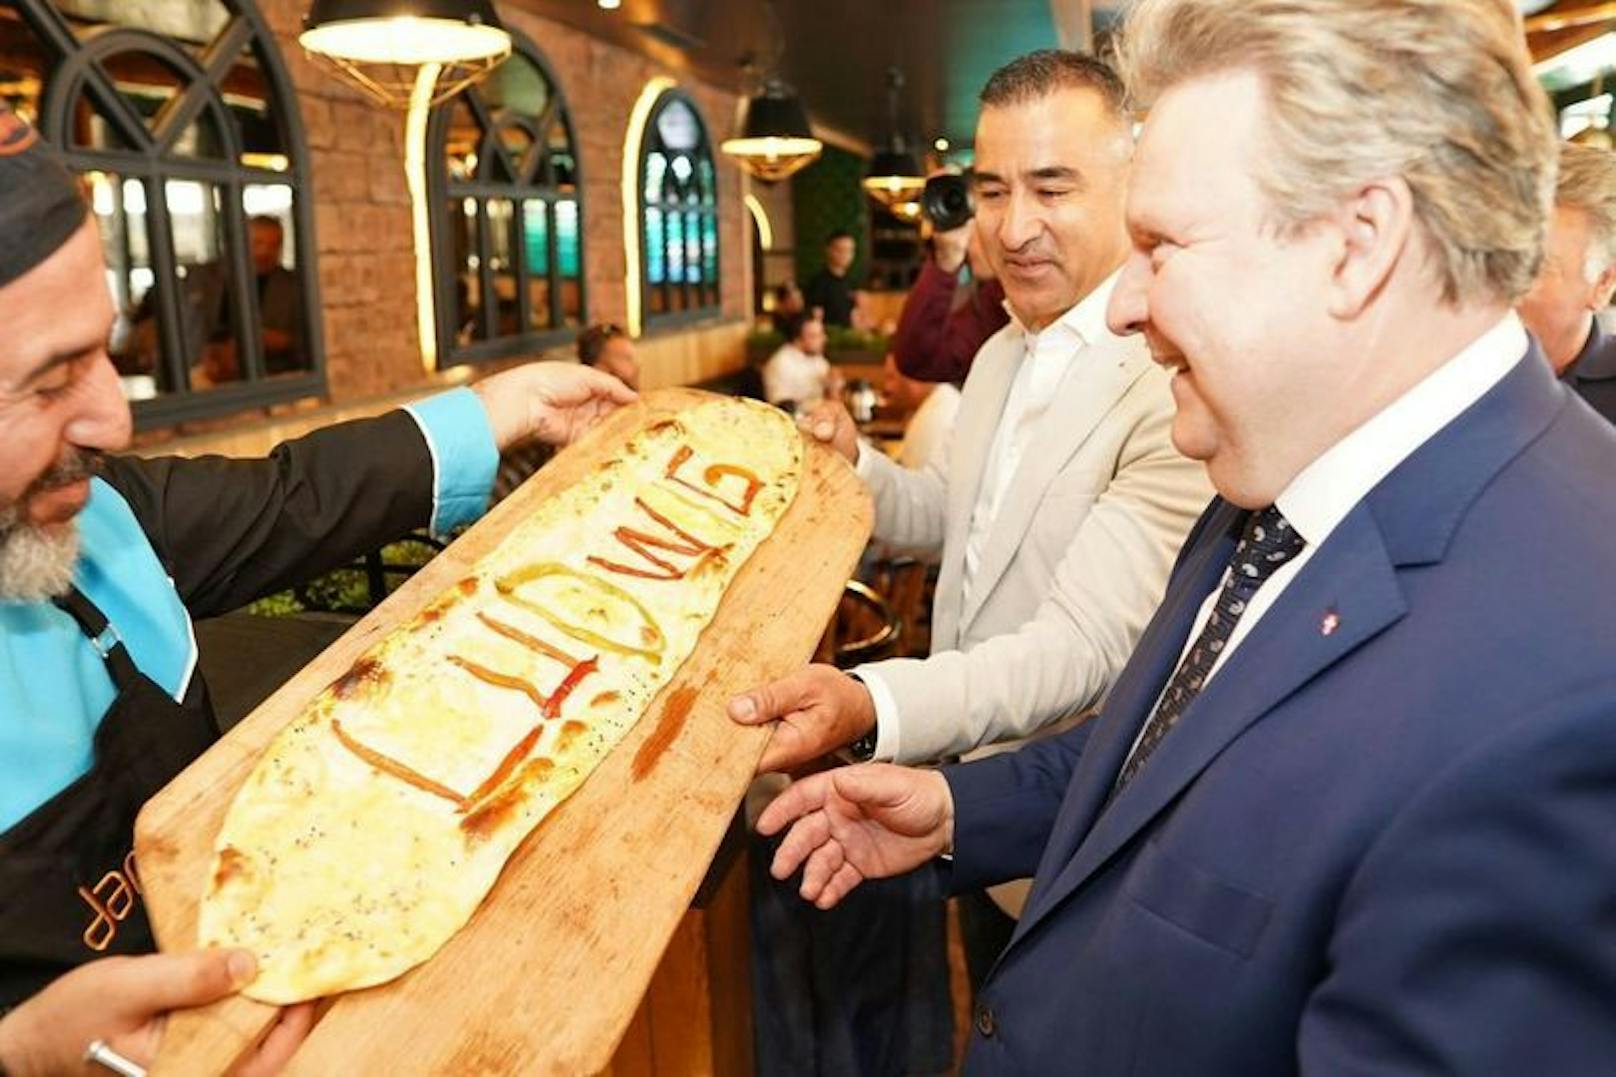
[[947, 201]]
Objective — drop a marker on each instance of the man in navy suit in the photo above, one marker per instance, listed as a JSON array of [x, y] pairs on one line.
[[1348, 808], [1578, 275]]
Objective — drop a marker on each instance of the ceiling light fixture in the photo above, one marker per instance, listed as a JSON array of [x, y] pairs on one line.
[[894, 175], [379, 46], [772, 137]]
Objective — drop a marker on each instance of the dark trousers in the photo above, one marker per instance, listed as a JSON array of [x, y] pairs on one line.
[[985, 931], [860, 990]]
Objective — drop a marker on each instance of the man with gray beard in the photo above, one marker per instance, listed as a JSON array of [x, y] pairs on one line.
[[105, 559], [36, 563]]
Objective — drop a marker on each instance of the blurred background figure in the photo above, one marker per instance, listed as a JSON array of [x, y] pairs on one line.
[[798, 372], [608, 347], [1578, 276], [280, 298], [944, 322], [788, 301], [931, 408], [830, 291]]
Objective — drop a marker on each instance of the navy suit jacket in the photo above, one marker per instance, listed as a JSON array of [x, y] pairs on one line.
[[1385, 848], [1593, 372]]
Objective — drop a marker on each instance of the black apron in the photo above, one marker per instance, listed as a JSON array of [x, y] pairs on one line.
[[68, 888]]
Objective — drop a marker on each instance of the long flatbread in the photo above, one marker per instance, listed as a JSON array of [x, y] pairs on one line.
[[377, 821]]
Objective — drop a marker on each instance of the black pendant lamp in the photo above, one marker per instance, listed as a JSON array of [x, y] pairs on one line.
[[772, 137], [380, 45], [894, 176]]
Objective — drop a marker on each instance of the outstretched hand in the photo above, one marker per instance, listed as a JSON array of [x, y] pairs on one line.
[[124, 1001], [553, 402], [855, 823]]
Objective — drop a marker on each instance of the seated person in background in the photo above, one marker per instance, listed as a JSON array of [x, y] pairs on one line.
[[280, 299], [604, 346], [798, 373], [943, 324], [219, 364], [1577, 276], [608, 348], [931, 408], [787, 302]]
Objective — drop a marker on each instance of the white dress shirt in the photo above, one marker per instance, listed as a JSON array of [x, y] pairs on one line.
[[793, 374], [1325, 491], [1050, 353]]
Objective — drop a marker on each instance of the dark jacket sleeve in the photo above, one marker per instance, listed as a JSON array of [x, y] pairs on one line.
[[1005, 807], [230, 531], [937, 341]]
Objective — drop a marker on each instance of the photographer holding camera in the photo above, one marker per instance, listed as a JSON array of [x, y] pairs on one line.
[[944, 324]]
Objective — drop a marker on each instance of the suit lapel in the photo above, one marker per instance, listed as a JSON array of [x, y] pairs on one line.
[[1407, 520], [1352, 577], [981, 407], [1134, 695], [1094, 382]]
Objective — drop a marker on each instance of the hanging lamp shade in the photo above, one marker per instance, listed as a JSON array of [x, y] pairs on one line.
[[894, 176], [772, 138], [380, 45]]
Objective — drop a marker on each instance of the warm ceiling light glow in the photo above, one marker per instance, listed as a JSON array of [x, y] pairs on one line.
[[633, 139], [941, 145], [772, 137], [273, 162], [894, 190], [406, 39], [611, 5], [415, 121], [773, 157], [760, 217]]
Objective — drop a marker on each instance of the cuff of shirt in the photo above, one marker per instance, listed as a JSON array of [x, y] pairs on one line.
[[886, 714], [464, 456], [862, 466]]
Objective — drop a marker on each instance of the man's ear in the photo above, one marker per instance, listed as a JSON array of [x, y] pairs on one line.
[[1600, 290], [1376, 226]]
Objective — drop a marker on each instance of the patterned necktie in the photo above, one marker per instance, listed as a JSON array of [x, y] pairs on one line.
[[1267, 542]]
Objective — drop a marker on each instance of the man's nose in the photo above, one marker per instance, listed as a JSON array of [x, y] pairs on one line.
[[1022, 223], [1128, 309], [101, 419]]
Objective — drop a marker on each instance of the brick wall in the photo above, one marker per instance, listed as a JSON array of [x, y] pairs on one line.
[[364, 228]]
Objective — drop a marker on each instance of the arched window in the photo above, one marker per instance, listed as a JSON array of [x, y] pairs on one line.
[[181, 119], [679, 215], [508, 240]]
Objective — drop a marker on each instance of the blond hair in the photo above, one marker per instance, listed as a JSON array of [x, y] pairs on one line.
[[1587, 182], [1438, 92]]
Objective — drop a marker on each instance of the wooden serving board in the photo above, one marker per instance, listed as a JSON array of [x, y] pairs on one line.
[[546, 976]]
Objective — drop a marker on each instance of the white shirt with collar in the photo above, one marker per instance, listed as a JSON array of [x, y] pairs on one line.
[[792, 374], [1050, 353], [1325, 491]]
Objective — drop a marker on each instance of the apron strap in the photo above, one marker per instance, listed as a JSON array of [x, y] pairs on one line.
[[102, 636]]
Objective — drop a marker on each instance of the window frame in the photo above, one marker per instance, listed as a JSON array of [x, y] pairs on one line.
[[651, 142], [76, 71], [441, 188]]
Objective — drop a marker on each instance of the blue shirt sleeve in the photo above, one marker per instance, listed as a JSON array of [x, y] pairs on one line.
[[464, 456]]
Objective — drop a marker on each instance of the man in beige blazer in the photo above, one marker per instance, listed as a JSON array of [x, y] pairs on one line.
[[1059, 502]]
